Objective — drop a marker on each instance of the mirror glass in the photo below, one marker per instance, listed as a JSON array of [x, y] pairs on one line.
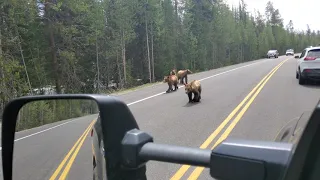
[[54, 140]]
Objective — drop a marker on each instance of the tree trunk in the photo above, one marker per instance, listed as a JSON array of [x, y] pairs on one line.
[[2, 96], [152, 55], [23, 61], [175, 31], [98, 72], [124, 58], [53, 50], [148, 51], [119, 72], [213, 56]]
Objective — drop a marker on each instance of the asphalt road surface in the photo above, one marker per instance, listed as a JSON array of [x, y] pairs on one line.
[[170, 119]]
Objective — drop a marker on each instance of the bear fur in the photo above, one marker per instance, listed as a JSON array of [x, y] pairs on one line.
[[171, 80], [194, 87], [183, 74], [173, 72]]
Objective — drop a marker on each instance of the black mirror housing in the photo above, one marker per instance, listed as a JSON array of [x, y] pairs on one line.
[[246, 159]]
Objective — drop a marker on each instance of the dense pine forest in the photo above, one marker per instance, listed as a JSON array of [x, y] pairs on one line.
[[98, 46]]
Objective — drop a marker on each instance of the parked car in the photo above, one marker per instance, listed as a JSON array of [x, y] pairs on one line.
[[98, 153], [273, 53], [308, 65], [290, 52]]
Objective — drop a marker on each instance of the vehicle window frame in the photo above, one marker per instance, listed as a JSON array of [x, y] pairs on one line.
[[302, 164], [312, 50], [303, 53]]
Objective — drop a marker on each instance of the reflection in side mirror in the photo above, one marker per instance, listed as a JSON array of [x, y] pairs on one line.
[[39, 113], [297, 57], [46, 131]]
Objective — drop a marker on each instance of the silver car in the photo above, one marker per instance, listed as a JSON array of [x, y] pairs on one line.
[[273, 53], [98, 153], [308, 65], [290, 52]]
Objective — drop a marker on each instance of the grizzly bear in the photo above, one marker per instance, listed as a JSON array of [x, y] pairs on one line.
[[195, 88], [173, 72], [171, 80], [183, 74]]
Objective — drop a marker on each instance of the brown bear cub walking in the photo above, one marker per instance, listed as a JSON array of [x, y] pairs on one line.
[[171, 80], [183, 74], [195, 88]]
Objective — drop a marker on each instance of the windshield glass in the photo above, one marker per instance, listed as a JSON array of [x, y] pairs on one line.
[[314, 53], [193, 72]]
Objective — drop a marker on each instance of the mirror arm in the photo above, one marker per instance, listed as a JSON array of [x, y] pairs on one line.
[[176, 154], [245, 159], [138, 148]]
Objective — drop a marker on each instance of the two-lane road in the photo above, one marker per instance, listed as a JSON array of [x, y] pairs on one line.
[[250, 100]]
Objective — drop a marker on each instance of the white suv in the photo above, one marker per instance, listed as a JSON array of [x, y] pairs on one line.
[[308, 65], [290, 52]]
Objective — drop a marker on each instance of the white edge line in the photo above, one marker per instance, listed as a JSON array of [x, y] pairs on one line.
[[135, 102]]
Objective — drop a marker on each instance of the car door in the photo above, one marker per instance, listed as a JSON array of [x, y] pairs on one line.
[[300, 58]]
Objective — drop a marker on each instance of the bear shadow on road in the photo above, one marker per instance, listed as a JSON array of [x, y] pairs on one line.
[[191, 104], [170, 92]]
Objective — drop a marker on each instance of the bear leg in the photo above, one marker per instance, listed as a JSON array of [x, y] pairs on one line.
[[195, 98], [175, 86], [190, 97], [199, 94], [186, 77], [169, 89]]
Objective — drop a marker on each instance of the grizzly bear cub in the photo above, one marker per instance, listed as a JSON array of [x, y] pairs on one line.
[[171, 80], [193, 87], [183, 74], [173, 72]]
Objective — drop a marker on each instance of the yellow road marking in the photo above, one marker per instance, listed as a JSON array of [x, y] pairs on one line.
[[196, 173], [68, 166], [207, 142], [57, 171]]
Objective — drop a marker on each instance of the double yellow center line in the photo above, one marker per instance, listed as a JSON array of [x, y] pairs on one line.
[[256, 90], [75, 150]]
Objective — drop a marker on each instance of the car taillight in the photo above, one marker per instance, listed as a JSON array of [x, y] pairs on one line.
[[307, 70], [310, 58], [91, 132]]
